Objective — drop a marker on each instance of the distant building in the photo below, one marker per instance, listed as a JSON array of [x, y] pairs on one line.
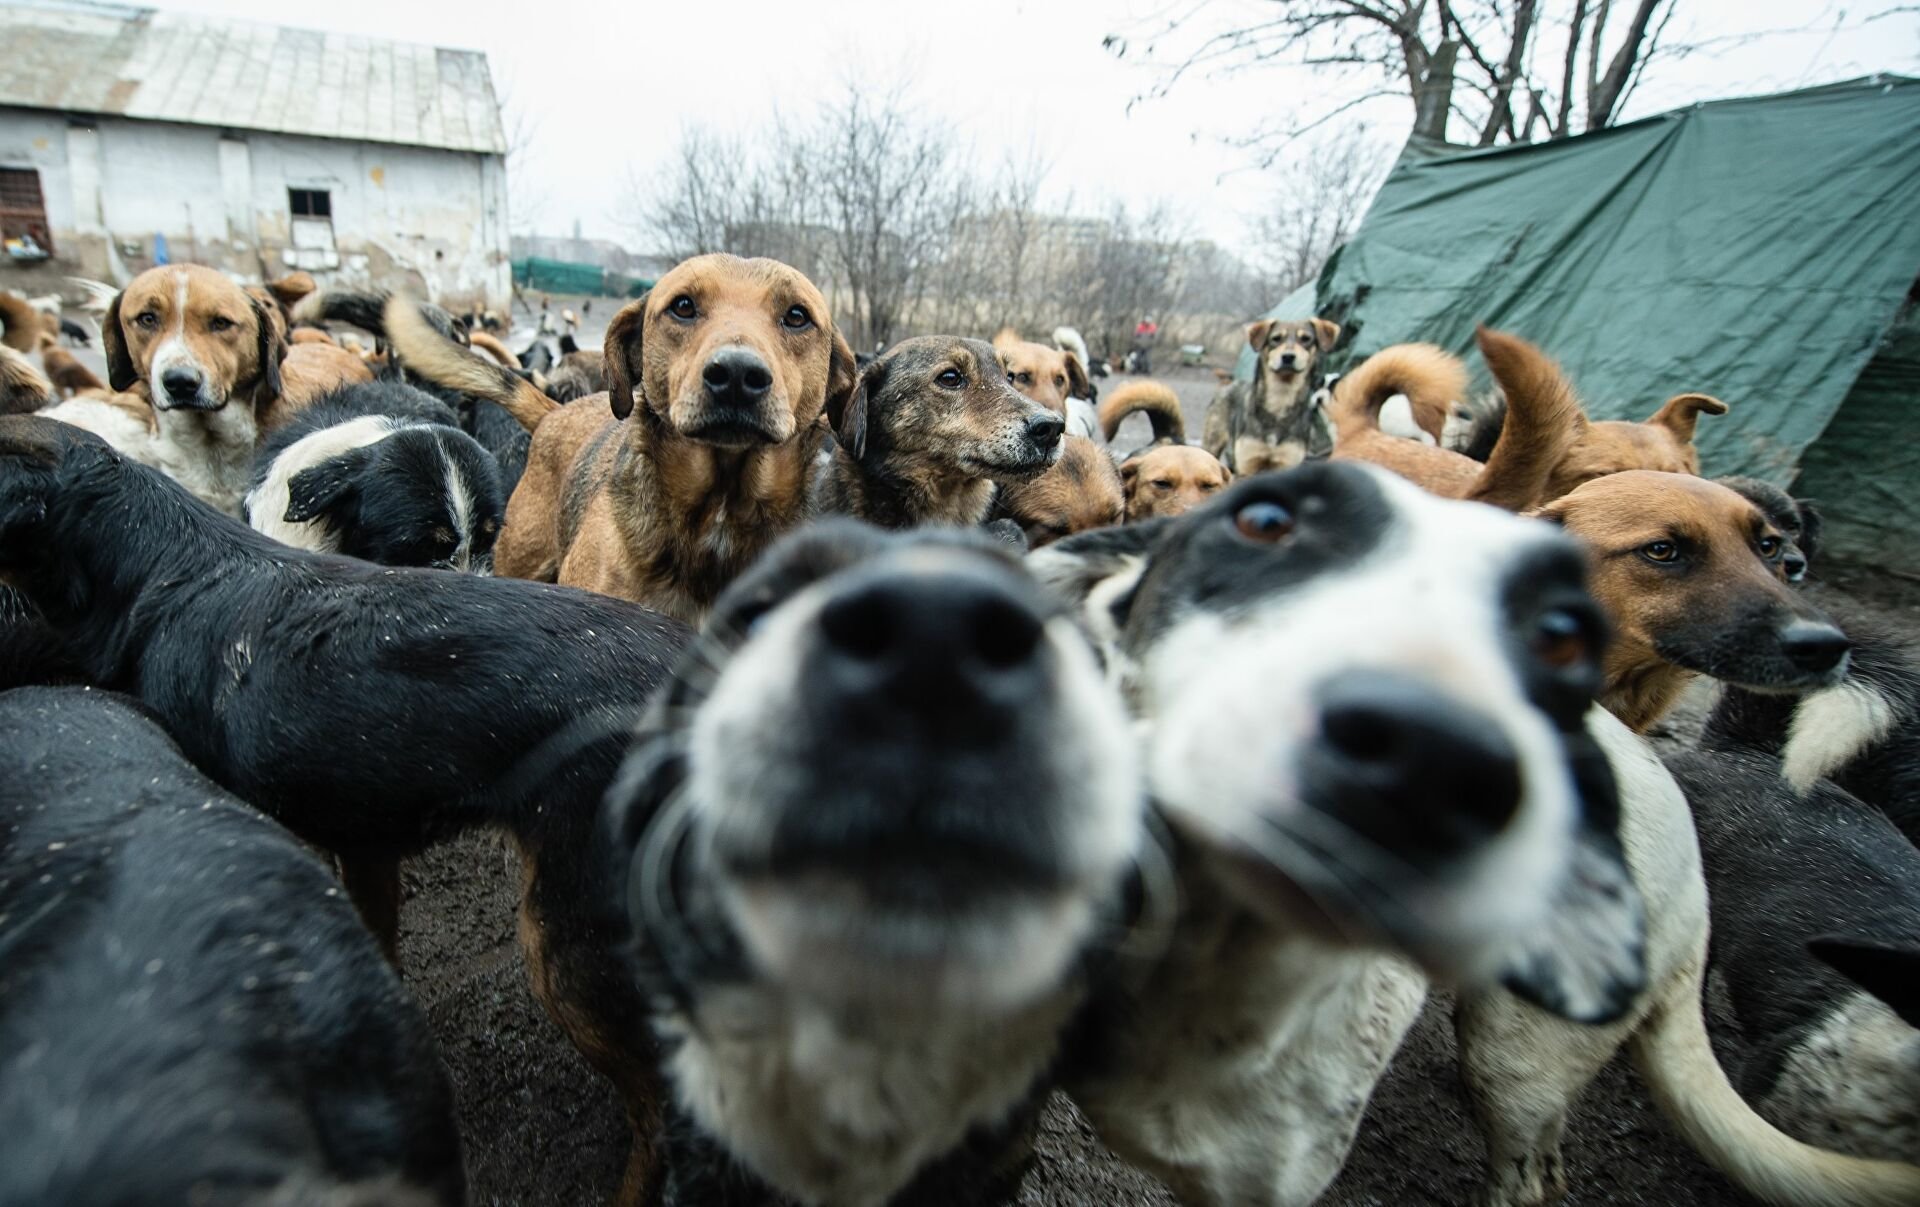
[[128, 135]]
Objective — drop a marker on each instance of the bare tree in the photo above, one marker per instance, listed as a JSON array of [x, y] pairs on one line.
[[527, 196], [1323, 196]]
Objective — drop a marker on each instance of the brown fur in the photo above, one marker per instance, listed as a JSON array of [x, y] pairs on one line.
[[1170, 480], [494, 348], [424, 348], [64, 369], [1268, 423], [1542, 418], [639, 502], [288, 290], [1046, 375], [310, 335], [1159, 404], [1618, 516], [1664, 442], [19, 323], [23, 387], [1083, 491], [910, 450]]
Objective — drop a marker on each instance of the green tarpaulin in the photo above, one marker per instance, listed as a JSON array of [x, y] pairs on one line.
[[559, 276], [1758, 250]]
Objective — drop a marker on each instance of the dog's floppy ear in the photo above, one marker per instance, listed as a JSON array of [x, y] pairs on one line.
[[623, 354], [1889, 969], [271, 349], [1679, 413], [847, 408], [1257, 334], [1811, 527], [1325, 332], [1077, 384], [327, 487], [121, 374]]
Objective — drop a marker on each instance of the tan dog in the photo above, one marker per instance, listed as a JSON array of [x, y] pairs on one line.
[[310, 335], [64, 369], [665, 496], [216, 364], [20, 324], [1049, 376], [1608, 446], [1542, 419], [23, 387], [1694, 578], [1168, 477], [1268, 423], [1081, 491]]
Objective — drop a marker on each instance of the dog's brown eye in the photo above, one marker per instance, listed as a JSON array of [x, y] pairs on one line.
[[1265, 522], [951, 379], [1059, 379], [1660, 551], [796, 319], [1560, 639], [146, 320], [683, 308], [219, 323], [1769, 547]]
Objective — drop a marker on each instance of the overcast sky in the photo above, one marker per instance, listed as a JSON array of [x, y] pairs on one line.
[[608, 85]]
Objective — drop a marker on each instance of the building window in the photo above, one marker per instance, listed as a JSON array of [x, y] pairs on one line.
[[310, 203], [23, 215]]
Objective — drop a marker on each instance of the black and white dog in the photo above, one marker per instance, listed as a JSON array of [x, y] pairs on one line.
[[382, 472], [189, 1010], [877, 830], [1816, 928], [1363, 711]]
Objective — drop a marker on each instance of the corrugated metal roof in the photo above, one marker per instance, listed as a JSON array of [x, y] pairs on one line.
[[109, 58]]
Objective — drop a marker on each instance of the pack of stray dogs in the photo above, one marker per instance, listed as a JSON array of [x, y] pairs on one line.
[[884, 755]]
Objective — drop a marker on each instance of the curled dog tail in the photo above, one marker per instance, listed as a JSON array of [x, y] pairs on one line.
[[19, 322], [429, 352], [1426, 374], [494, 348], [364, 309], [1677, 1062], [1542, 423], [1068, 340], [1159, 404]]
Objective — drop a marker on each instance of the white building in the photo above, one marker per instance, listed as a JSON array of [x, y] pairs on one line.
[[248, 147]]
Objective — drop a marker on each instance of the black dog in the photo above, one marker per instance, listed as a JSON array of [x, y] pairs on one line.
[[382, 472], [1816, 928], [874, 834], [372, 710], [189, 1010]]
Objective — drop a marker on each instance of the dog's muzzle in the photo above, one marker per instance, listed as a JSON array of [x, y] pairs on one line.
[[184, 390]]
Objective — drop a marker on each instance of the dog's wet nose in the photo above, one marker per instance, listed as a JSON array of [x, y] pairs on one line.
[[181, 385], [1814, 647], [934, 643], [1399, 761], [1045, 430], [1794, 566], [737, 375]]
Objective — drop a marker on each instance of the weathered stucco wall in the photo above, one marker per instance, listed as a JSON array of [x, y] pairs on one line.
[[426, 221]]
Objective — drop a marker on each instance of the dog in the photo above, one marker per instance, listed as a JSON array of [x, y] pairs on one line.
[[1081, 491], [381, 472], [1358, 806], [1070, 341], [580, 372], [932, 427], [735, 361], [1271, 422], [23, 387], [189, 1010], [1053, 377], [218, 372], [19, 323], [372, 710], [868, 935], [1694, 579], [1816, 931], [1541, 427], [1168, 477], [64, 369]]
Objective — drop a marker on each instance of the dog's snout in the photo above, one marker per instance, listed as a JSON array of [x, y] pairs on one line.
[[1794, 566], [1814, 647], [941, 644], [181, 385], [1398, 756], [1288, 359], [738, 375], [1045, 431]]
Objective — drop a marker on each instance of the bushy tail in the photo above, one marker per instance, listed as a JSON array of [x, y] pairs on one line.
[[19, 323], [1423, 372], [23, 387], [1160, 405], [1542, 423], [1678, 1064], [364, 309], [429, 352], [1068, 340]]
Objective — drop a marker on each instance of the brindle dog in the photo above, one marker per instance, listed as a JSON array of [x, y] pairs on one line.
[[1271, 422]]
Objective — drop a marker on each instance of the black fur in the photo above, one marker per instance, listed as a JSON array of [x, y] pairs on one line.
[[189, 1010], [387, 502]]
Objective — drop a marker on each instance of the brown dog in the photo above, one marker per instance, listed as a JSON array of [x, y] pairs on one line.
[[64, 369], [1168, 477], [1542, 419], [20, 324], [1608, 446], [1694, 578], [23, 387], [1082, 491], [1269, 423], [217, 366], [932, 426], [664, 502], [1049, 376]]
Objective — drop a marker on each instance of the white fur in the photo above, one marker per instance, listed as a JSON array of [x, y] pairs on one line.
[[1830, 728], [266, 504], [208, 452], [1396, 419], [1853, 1083], [460, 504]]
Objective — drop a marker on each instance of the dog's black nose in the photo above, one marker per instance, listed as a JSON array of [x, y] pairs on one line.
[[736, 374], [1794, 566], [1287, 358], [1045, 430], [941, 644], [1407, 766], [181, 385], [1814, 647]]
